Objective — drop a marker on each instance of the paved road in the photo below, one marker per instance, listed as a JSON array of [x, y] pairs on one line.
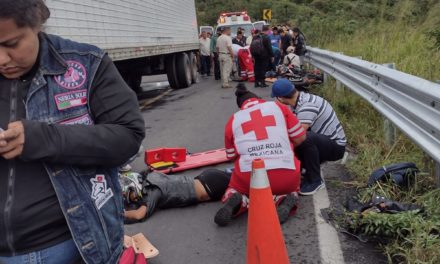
[[195, 118]]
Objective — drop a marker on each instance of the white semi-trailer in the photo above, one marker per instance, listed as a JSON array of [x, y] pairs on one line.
[[143, 37]]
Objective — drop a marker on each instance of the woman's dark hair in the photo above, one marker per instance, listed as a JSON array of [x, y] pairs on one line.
[[243, 94], [297, 30], [25, 13]]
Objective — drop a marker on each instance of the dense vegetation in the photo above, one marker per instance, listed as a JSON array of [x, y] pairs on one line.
[[402, 31]]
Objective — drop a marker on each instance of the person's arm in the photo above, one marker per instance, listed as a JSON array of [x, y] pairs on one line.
[[115, 137], [137, 214], [300, 42], [296, 132], [305, 126], [307, 115], [231, 152], [231, 51]]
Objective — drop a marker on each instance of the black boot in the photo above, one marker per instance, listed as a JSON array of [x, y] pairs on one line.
[[263, 84], [286, 205], [231, 207], [257, 84]]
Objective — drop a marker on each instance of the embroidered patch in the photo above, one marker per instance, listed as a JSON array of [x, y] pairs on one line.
[[74, 77], [82, 120], [100, 192], [71, 99]]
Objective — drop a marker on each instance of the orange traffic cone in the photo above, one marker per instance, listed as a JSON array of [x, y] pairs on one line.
[[265, 243]]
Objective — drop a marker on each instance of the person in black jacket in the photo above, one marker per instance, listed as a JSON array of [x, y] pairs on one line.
[[261, 50], [286, 41], [299, 43], [240, 39]]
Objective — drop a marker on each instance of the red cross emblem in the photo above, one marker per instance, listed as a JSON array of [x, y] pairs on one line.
[[258, 124]]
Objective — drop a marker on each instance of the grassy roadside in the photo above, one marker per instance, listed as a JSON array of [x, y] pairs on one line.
[[412, 238]]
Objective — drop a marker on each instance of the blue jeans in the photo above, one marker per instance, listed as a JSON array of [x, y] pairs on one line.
[[63, 253], [206, 64]]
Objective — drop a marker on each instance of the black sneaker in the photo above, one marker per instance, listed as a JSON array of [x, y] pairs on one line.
[[224, 216], [263, 85], [311, 188], [257, 84], [286, 205]]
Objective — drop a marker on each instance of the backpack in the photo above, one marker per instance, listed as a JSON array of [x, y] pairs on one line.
[[402, 174], [257, 46]]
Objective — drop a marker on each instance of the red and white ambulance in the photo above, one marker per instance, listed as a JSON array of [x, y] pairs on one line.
[[236, 20]]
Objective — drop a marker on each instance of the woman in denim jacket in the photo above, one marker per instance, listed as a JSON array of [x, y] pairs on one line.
[[68, 121]]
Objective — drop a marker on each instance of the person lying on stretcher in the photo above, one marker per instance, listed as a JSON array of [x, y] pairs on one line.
[[145, 192]]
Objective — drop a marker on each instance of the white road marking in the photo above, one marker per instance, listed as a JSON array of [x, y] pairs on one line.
[[329, 245]]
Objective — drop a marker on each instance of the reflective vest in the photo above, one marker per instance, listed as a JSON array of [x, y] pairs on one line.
[[260, 131]]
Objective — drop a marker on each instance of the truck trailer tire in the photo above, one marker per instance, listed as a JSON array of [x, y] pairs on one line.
[[170, 67], [183, 70], [194, 67]]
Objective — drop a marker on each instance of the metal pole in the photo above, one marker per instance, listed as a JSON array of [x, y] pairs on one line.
[[389, 128]]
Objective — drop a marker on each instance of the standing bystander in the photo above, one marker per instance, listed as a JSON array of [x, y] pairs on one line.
[[299, 42], [286, 41], [214, 54], [226, 55], [205, 54], [262, 54]]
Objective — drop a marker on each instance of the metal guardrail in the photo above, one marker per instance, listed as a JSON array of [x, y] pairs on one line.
[[411, 103]]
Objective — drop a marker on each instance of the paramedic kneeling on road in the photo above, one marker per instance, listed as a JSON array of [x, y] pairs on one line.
[[261, 130], [69, 121], [325, 137]]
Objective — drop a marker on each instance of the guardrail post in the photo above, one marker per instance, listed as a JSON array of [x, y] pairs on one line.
[[437, 165], [325, 77], [389, 128], [437, 173], [339, 85]]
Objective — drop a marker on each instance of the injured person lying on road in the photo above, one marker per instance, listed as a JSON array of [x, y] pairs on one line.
[[145, 192]]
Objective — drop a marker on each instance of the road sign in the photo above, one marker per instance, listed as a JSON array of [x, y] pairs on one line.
[[267, 14]]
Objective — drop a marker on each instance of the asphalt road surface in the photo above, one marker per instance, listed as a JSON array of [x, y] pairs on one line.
[[194, 118]]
